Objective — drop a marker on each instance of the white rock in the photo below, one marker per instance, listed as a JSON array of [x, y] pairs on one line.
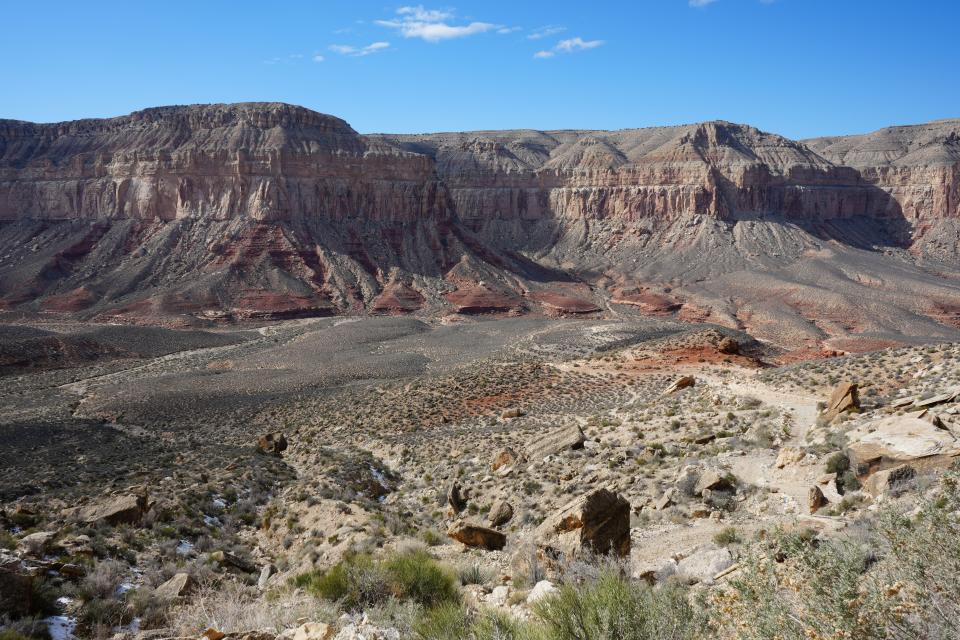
[[541, 590], [703, 565], [499, 595]]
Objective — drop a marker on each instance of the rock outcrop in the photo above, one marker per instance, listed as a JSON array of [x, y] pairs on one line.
[[598, 522], [206, 213]]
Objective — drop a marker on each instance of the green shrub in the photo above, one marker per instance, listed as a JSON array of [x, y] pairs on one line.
[[472, 574], [7, 541], [899, 578], [416, 576], [445, 622], [11, 634], [360, 581], [838, 463], [612, 608], [727, 536], [450, 622]]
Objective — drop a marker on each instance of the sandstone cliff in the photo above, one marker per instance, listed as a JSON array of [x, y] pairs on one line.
[[272, 210]]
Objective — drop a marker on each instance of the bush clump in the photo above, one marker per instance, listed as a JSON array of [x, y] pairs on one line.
[[359, 580]]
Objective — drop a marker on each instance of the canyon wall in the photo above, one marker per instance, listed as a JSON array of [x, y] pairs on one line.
[[273, 210]]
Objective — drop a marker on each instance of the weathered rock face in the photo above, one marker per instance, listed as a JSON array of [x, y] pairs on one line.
[[918, 165], [598, 522], [266, 210], [474, 535], [845, 397], [264, 161]]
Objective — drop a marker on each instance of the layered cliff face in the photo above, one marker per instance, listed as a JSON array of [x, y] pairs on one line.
[[918, 166], [271, 210]]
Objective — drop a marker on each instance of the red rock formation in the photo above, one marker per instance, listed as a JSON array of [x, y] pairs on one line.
[[272, 210]]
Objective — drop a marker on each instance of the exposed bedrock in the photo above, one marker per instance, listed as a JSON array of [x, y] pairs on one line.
[[261, 210]]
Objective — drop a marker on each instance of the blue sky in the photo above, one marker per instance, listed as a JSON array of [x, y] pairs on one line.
[[796, 67]]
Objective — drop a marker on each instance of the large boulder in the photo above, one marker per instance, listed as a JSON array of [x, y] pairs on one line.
[[18, 592], [895, 440], [37, 544], [884, 481], [563, 439], [272, 444], [597, 522], [477, 536], [845, 397], [714, 480]]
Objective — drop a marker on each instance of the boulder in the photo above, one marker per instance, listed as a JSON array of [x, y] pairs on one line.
[[500, 513], [563, 439], [666, 500], [728, 345], [680, 383], [313, 631], [882, 482], [176, 587], [541, 590], [830, 488], [126, 509], [37, 544], [18, 593], [511, 413], [477, 536], [845, 397], [265, 574], [499, 595], [895, 440], [789, 456], [713, 480], [272, 444], [598, 522], [456, 497], [703, 565], [506, 457], [815, 499]]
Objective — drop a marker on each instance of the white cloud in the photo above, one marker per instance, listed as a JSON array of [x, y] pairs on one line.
[[545, 32], [432, 25], [577, 44], [506, 30], [570, 45], [701, 3], [349, 50], [318, 58]]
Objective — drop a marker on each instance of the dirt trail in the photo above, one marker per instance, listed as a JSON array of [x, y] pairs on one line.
[[788, 486]]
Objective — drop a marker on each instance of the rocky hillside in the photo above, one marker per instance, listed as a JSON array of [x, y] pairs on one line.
[[264, 210]]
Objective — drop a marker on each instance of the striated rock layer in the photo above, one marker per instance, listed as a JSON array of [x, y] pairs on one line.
[[267, 210]]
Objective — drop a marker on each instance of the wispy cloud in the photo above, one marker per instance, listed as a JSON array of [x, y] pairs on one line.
[[569, 45], [578, 44], [349, 50], [433, 25], [701, 3], [318, 58], [546, 32]]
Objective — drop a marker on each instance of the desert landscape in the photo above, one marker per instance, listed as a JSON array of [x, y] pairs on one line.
[[264, 377]]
